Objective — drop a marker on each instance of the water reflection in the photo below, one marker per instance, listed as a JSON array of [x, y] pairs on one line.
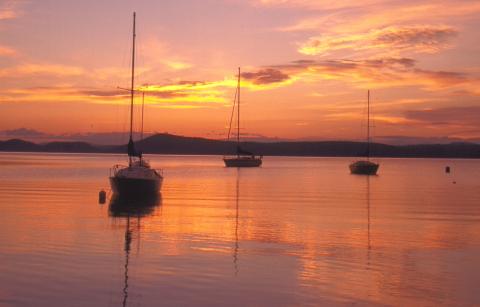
[[369, 245], [310, 235], [131, 210], [237, 195], [126, 207]]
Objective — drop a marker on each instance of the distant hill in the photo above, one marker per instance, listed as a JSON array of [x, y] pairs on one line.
[[173, 144], [69, 147]]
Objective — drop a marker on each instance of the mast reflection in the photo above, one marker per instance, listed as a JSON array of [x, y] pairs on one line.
[[235, 249], [122, 208], [369, 246]]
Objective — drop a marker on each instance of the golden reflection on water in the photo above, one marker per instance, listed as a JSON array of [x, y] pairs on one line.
[[134, 210], [298, 231]]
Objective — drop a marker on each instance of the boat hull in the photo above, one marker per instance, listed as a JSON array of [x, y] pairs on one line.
[[135, 187], [242, 162], [364, 168]]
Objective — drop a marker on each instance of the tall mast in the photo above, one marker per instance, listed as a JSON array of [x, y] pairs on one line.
[[130, 142], [368, 124], [133, 79], [238, 110], [143, 107]]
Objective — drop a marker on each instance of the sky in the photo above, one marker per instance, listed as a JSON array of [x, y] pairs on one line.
[[306, 67]]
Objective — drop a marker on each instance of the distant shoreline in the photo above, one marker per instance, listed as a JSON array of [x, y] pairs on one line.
[[216, 155], [179, 145]]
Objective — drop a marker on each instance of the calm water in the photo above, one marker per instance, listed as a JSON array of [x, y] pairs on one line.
[[296, 232]]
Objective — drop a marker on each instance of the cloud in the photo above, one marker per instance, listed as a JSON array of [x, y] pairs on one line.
[[465, 115], [7, 51], [122, 93], [312, 4], [349, 17], [30, 69], [419, 39], [160, 53], [104, 92], [265, 76], [9, 9], [24, 133], [181, 95], [375, 73], [177, 64]]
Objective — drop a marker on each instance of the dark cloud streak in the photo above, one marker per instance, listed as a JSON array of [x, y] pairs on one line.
[[265, 76]]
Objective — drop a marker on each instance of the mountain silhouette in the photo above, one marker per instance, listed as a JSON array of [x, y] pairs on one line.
[[173, 144]]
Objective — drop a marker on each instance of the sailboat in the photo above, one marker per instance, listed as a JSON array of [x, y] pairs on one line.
[[365, 167], [138, 179], [243, 158]]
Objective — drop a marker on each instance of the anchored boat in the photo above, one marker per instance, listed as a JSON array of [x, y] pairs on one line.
[[242, 158], [138, 179], [365, 167]]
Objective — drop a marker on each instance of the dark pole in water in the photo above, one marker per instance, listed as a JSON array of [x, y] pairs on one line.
[[447, 169]]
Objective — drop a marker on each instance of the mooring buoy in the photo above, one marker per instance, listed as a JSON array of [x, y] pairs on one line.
[[102, 197]]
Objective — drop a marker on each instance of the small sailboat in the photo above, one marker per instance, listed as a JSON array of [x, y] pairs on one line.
[[365, 167], [138, 179], [243, 158]]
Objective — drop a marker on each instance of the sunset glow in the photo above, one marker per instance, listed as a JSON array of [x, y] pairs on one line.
[[306, 67]]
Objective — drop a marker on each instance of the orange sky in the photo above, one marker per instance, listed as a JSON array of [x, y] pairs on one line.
[[307, 66]]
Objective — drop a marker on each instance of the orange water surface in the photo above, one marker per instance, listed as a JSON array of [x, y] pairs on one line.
[[295, 232]]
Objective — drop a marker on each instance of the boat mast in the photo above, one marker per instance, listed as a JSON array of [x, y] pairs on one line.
[[143, 107], [131, 87], [238, 112], [368, 124]]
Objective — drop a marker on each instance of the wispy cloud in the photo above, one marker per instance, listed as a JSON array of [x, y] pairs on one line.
[[420, 39], [376, 73], [371, 73], [350, 17], [10, 9], [312, 4], [7, 51], [160, 53], [29, 69], [265, 76], [177, 64], [465, 115]]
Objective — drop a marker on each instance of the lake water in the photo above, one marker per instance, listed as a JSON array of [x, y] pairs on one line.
[[295, 232]]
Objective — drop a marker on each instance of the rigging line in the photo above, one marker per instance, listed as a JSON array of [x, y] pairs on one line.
[[233, 112]]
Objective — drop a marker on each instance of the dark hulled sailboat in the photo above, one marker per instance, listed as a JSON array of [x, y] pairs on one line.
[[138, 179], [242, 158], [365, 167]]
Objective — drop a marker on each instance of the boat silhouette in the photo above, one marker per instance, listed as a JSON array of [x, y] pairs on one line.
[[138, 179], [365, 167], [242, 158]]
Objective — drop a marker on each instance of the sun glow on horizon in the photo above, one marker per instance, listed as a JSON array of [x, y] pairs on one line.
[[313, 65]]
